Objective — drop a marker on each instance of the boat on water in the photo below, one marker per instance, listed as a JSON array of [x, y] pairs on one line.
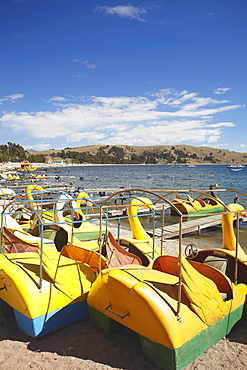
[[27, 166], [10, 176], [199, 205], [235, 167], [39, 176]]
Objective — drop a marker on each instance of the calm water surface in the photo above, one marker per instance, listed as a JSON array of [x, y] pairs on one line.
[[157, 177]]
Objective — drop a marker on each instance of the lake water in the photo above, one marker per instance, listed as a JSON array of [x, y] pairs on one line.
[[159, 177], [166, 177]]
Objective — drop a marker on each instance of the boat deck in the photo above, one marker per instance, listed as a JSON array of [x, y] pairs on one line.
[[172, 231]]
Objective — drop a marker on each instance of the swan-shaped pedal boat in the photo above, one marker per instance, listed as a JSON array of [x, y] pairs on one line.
[[141, 244], [140, 239], [180, 308], [196, 205], [45, 296], [48, 290], [82, 229], [64, 230]]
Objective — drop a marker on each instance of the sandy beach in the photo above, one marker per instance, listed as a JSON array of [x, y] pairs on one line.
[[83, 346]]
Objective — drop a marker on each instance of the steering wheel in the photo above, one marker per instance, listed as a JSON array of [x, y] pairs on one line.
[[191, 251]]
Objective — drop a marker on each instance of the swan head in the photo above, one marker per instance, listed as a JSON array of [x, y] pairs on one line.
[[214, 186], [237, 208], [229, 238], [83, 195], [66, 198], [33, 187], [142, 202]]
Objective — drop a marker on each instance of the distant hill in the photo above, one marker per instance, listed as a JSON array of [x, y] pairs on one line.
[[162, 154]]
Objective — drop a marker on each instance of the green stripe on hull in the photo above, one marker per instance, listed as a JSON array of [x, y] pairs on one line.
[[178, 358], [174, 359], [215, 210], [87, 235], [105, 323], [203, 211]]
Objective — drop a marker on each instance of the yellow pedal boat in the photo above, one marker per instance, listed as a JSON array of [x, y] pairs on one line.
[[44, 297], [198, 205], [180, 308]]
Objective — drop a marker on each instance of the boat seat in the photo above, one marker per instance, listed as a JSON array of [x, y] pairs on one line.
[[202, 203], [167, 264], [53, 232], [117, 256], [213, 202], [13, 244], [220, 263], [84, 255], [222, 282]]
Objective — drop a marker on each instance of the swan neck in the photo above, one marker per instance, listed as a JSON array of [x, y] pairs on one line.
[[137, 229]]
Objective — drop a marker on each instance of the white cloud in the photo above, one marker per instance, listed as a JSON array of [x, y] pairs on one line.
[[91, 136], [58, 98], [86, 64], [165, 117], [222, 90], [165, 134], [225, 124], [11, 98], [243, 145], [124, 11], [38, 147]]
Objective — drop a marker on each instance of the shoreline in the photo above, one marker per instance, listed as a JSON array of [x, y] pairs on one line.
[[38, 166], [135, 164]]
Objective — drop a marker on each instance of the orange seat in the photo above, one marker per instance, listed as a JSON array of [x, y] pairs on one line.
[[13, 244], [117, 256], [84, 255], [169, 264]]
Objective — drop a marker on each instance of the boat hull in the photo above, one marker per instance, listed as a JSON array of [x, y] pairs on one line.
[[195, 207], [146, 301], [177, 358], [52, 321], [43, 305]]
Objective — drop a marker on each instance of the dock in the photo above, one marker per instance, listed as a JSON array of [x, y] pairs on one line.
[[123, 211], [172, 231]]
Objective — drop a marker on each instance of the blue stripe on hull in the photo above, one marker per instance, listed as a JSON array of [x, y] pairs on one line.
[[51, 321]]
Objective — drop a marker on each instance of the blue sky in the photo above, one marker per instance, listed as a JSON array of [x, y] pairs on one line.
[[85, 72]]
